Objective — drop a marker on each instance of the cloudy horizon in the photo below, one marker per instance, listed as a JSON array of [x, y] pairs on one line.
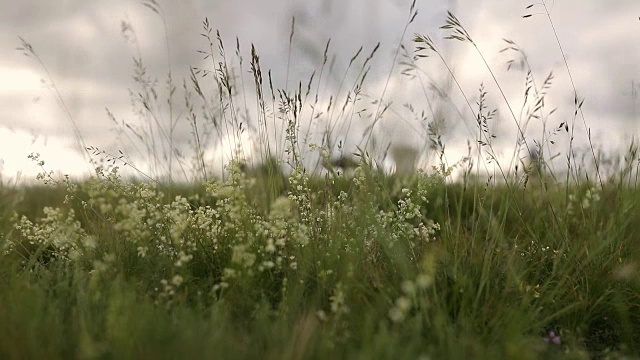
[[88, 54]]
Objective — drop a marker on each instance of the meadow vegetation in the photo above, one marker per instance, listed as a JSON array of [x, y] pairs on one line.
[[287, 259]]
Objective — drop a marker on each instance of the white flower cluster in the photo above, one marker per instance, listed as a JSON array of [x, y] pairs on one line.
[[411, 296], [56, 236], [223, 238], [583, 201]]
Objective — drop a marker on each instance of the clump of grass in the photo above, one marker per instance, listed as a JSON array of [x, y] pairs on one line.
[[283, 261], [369, 265]]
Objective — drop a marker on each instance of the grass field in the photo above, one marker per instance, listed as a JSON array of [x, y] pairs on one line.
[[368, 267], [344, 263]]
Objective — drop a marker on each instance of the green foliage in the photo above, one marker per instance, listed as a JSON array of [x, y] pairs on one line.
[[356, 267]]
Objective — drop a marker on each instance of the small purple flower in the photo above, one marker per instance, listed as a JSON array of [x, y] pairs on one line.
[[553, 338]]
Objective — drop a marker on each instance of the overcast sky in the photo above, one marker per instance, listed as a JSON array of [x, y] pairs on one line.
[[89, 58]]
